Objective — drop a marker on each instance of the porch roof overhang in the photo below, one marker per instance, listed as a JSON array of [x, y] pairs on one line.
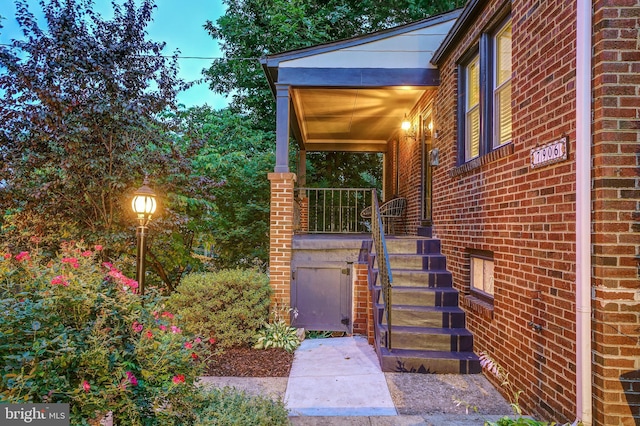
[[352, 95]]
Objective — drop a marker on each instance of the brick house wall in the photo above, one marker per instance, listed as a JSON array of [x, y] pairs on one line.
[[616, 212], [411, 168], [525, 216]]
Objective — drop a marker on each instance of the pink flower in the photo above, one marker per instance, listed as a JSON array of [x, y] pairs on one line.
[[132, 379], [212, 341], [188, 345], [131, 283], [59, 280], [72, 261], [86, 386], [87, 253], [107, 265], [23, 255], [175, 329], [149, 334], [167, 315], [137, 327], [179, 378], [197, 340], [7, 256], [97, 247], [163, 327]]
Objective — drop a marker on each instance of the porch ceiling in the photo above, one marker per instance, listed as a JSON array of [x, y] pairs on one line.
[[351, 119]]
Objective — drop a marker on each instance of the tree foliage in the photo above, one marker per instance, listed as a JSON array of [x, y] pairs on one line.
[[81, 107], [236, 230]]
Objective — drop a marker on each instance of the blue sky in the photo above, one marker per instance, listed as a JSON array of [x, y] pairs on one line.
[[179, 23]]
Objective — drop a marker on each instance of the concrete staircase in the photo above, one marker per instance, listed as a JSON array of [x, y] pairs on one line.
[[428, 333]]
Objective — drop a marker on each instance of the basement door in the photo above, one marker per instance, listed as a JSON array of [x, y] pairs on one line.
[[322, 297]]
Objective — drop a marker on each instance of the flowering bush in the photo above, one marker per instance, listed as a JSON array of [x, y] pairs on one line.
[[75, 330]]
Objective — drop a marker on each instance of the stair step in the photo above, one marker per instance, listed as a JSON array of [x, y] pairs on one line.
[[419, 245], [423, 296], [429, 362], [421, 262], [415, 278], [426, 316], [429, 338]]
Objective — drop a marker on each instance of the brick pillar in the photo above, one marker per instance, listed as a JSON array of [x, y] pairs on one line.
[[304, 215], [360, 299], [281, 237], [615, 238]]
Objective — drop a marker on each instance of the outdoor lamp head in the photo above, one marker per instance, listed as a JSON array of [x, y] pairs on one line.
[[406, 124], [144, 203]]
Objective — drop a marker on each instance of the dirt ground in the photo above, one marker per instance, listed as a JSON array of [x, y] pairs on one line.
[[249, 362]]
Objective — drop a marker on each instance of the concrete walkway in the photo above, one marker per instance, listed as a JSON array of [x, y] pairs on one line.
[[337, 377], [338, 381]]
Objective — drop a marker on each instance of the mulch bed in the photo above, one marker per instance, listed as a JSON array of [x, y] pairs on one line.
[[249, 362]]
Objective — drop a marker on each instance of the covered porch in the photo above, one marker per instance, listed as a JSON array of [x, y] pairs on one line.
[[351, 96]]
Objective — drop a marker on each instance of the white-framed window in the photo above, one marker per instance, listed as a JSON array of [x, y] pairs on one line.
[[502, 86], [472, 109], [481, 277], [484, 109]]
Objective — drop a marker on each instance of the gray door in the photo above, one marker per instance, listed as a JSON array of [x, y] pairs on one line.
[[322, 297]]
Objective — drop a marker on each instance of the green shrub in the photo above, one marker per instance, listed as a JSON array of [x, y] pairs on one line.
[[227, 406], [277, 335], [228, 306], [75, 331]]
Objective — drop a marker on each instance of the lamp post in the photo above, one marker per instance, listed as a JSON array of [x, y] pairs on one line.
[[144, 205]]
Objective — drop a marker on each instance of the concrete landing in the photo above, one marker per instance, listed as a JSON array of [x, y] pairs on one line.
[[337, 377]]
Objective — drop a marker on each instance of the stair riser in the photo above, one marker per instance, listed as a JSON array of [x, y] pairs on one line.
[[431, 342], [426, 297], [419, 246], [422, 279], [433, 366], [425, 262], [428, 319]]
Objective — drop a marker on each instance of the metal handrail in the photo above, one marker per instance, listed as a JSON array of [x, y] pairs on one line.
[[382, 257], [333, 210]]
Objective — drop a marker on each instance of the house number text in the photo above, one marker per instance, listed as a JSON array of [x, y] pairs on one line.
[[550, 153]]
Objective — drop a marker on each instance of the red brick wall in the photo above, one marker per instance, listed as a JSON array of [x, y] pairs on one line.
[[616, 212], [411, 168], [524, 216], [390, 168]]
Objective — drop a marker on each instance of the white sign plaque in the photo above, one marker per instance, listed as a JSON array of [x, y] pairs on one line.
[[550, 153]]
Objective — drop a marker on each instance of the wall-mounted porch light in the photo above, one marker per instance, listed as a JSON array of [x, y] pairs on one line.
[[409, 130]]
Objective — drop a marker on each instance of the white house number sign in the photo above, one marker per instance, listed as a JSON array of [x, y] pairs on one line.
[[550, 153]]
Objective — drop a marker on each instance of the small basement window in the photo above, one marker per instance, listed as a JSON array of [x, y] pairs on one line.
[[481, 275]]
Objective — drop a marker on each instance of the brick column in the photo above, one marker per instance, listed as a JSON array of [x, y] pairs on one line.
[[615, 238], [304, 215], [360, 299], [281, 237]]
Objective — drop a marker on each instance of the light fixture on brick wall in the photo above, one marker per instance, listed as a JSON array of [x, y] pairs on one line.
[[408, 128]]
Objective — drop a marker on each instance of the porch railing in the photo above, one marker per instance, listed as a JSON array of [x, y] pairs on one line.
[[332, 210], [382, 257]]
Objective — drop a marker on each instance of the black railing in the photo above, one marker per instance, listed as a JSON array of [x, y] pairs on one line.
[[332, 210], [382, 257]]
